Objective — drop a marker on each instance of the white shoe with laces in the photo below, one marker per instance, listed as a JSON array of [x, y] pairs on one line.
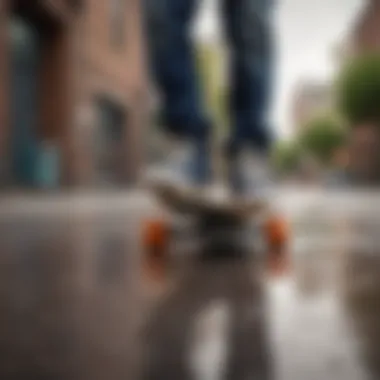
[[250, 176], [186, 165]]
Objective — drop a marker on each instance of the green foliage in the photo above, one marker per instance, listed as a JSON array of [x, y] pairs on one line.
[[209, 59], [321, 137], [286, 157], [358, 90]]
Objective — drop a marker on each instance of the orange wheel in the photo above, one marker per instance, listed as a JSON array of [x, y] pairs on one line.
[[155, 244], [155, 237], [277, 236], [276, 232]]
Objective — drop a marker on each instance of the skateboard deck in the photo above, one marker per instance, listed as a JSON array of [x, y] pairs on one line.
[[221, 224], [193, 202]]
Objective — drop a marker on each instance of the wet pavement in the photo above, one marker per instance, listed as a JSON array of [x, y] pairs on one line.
[[78, 300]]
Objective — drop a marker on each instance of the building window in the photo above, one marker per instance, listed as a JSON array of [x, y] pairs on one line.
[[117, 22], [109, 142]]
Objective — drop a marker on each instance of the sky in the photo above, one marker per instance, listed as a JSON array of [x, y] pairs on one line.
[[308, 33]]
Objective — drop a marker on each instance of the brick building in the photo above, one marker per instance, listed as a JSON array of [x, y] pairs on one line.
[[365, 35], [364, 139], [309, 100], [72, 92]]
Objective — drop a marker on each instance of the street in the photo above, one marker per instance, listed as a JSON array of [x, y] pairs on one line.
[[78, 300]]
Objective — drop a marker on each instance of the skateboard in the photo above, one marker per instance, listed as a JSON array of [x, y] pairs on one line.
[[221, 224]]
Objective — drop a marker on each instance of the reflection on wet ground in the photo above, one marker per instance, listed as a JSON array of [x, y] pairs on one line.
[[76, 302]]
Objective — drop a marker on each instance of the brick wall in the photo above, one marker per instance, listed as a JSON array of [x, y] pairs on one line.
[[364, 139], [80, 62], [116, 71], [365, 35]]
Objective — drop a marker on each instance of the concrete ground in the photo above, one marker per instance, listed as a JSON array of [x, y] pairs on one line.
[[79, 300]]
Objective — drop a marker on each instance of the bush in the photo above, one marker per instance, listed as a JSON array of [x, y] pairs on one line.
[[321, 137], [286, 157], [358, 90]]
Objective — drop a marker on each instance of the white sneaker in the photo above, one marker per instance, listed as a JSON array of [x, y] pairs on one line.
[[250, 176], [186, 164]]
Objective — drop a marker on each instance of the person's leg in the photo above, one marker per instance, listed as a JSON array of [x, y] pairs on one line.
[[249, 33], [172, 62]]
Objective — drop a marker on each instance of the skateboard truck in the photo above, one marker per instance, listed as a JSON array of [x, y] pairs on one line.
[[222, 224]]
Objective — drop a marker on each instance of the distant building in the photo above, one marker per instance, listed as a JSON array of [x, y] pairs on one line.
[[72, 92], [365, 35], [342, 52], [310, 99]]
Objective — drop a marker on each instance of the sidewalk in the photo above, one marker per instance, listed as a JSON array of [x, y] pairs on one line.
[[73, 202]]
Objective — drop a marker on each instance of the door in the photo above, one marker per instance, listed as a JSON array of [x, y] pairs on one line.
[[24, 55]]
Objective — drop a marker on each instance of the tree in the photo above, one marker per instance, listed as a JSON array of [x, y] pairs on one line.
[[286, 157], [321, 138], [358, 90], [358, 93], [210, 66]]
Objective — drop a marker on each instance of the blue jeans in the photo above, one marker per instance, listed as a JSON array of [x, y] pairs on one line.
[[248, 33]]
